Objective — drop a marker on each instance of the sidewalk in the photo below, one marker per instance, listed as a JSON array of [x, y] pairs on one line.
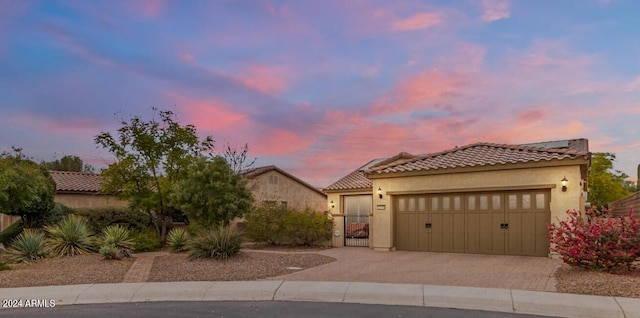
[[489, 299]]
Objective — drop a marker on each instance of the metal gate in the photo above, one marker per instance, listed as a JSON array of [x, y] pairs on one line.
[[356, 230]]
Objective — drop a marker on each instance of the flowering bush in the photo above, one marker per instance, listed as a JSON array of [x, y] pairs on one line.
[[598, 241]]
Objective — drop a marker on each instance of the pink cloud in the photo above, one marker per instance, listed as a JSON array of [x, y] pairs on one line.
[[186, 57], [418, 21], [495, 10], [270, 80], [278, 142], [210, 115], [147, 8], [416, 91]]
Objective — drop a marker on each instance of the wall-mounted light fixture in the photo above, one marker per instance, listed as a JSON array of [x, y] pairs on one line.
[[564, 184], [379, 192], [331, 204]]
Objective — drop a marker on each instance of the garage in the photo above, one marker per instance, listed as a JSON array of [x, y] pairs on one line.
[[501, 223]]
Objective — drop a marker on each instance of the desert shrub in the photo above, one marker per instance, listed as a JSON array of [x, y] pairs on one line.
[[281, 225], [146, 241], [220, 242], [264, 224], [306, 227], [4, 266], [118, 237], [69, 237], [100, 218], [178, 239], [11, 232], [109, 252], [28, 246], [597, 241]]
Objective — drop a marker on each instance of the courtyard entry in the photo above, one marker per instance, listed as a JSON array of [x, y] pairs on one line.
[[357, 209]]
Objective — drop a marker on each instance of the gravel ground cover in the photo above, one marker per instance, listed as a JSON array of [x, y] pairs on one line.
[[246, 266], [82, 269], [579, 281]]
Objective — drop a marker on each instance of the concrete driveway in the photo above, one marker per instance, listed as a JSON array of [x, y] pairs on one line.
[[358, 264]]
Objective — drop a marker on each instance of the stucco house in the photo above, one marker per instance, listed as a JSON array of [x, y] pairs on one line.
[[271, 185], [75, 190], [480, 198]]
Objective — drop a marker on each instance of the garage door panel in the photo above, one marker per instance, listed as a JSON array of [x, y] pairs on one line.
[[475, 222]]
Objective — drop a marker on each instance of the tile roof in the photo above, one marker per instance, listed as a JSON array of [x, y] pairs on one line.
[[480, 155], [355, 180], [254, 172], [67, 181]]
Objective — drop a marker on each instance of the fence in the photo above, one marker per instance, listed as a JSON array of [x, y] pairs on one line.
[[622, 206]]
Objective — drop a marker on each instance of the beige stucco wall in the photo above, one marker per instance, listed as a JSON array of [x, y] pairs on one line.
[[295, 194], [528, 178], [6, 220], [77, 200]]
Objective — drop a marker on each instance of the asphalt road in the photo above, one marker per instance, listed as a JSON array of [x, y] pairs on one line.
[[244, 309]]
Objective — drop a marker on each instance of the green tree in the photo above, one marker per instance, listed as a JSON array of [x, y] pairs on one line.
[[605, 184], [69, 163], [150, 156], [210, 192], [26, 189]]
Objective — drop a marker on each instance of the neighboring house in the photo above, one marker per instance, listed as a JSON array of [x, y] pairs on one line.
[[271, 185], [481, 198], [82, 190], [75, 190]]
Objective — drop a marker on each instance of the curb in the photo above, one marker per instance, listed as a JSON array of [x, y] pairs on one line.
[[488, 299]]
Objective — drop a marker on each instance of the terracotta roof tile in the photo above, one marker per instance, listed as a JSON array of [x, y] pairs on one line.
[[67, 181], [478, 155], [357, 179]]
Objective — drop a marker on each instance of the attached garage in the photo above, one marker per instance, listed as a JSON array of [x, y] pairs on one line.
[[481, 198], [507, 222]]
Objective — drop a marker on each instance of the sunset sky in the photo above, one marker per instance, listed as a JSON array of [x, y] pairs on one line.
[[318, 88]]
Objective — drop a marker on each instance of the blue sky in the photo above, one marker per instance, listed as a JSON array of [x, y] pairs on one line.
[[319, 88]]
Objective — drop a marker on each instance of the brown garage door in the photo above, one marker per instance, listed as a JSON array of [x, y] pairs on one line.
[[510, 222]]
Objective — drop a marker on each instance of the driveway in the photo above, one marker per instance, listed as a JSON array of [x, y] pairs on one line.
[[358, 264]]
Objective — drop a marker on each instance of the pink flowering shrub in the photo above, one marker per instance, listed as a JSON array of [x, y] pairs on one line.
[[597, 241]]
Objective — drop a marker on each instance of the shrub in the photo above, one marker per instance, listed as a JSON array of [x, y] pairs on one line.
[[281, 225], [100, 218], [146, 241], [11, 232], [69, 237], [58, 213], [109, 252], [118, 237], [306, 228], [178, 239], [28, 246], [598, 241], [264, 224], [4, 266], [221, 243]]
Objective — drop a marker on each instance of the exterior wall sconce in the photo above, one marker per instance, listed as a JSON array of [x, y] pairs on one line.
[[379, 192], [564, 184], [331, 204]]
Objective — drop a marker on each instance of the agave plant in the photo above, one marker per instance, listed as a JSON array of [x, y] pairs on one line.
[[118, 237], [28, 246], [70, 237], [178, 239], [221, 242]]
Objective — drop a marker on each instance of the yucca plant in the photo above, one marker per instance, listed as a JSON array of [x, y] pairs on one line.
[[221, 242], [178, 240], [28, 246], [119, 237], [109, 252], [70, 237]]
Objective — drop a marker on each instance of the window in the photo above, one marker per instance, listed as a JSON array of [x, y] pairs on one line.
[[273, 179], [269, 203], [283, 204]]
